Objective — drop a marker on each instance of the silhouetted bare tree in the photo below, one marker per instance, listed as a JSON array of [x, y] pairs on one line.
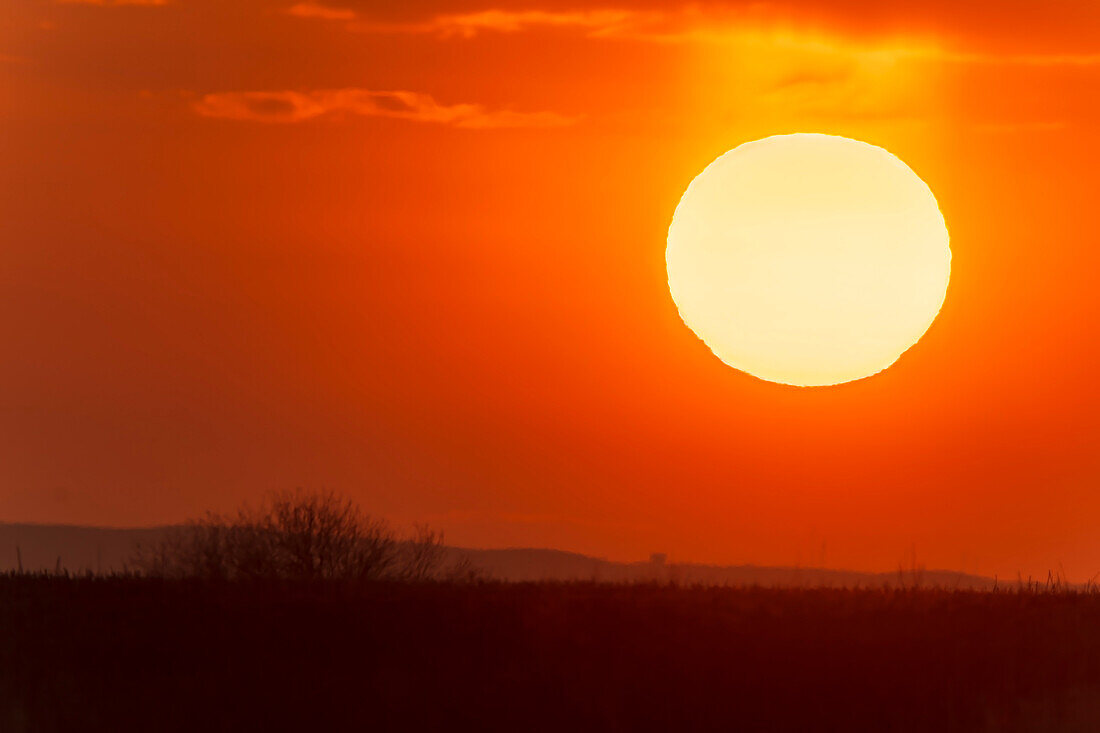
[[421, 556], [296, 536]]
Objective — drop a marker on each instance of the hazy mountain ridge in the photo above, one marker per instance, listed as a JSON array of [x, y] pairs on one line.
[[531, 564], [70, 547], [77, 549]]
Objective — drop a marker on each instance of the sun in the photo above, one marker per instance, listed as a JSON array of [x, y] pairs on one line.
[[808, 259]]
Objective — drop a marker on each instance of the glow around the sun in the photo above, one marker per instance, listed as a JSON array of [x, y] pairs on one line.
[[808, 259]]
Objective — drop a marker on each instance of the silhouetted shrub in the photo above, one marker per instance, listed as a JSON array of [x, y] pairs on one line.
[[294, 536]]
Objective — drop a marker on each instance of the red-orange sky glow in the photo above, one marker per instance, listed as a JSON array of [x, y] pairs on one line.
[[414, 252]]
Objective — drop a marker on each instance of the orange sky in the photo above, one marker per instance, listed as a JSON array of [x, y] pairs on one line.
[[416, 254]]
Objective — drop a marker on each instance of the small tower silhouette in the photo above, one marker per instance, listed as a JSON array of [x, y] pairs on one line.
[[658, 570]]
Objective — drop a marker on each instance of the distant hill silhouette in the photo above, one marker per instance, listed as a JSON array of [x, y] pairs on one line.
[[531, 564], [70, 547], [77, 549]]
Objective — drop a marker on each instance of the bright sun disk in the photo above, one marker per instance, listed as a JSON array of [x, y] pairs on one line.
[[808, 259]]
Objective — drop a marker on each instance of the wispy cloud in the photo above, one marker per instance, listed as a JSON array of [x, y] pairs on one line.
[[468, 25], [320, 12], [1010, 59], [113, 3], [296, 106], [1028, 127], [595, 23], [684, 25]]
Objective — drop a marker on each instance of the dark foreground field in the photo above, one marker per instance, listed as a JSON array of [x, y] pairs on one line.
[[128, 654]]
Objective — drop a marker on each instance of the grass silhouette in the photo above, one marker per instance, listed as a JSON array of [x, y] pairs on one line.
[[142, 653]]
